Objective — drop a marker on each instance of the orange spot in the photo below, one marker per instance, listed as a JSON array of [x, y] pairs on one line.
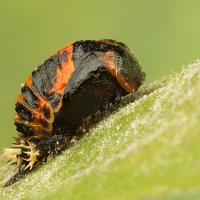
[[64, 74], [40, 130], [97, 92], [109, 60], [29, 81], [21, 99]]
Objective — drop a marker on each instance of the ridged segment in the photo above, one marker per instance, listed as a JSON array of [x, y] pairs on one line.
[[41, 96]]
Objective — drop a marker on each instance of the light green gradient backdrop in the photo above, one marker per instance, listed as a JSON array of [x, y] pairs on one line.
[[164, 34]]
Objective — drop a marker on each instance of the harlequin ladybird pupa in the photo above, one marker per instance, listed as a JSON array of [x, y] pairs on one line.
[[73, 84]]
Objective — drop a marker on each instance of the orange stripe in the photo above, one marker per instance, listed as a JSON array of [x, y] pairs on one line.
[[43, 103], [38, 113], [36, 127], [63, 77], [109, 59], [29, 81], [38, 116], [21, 99]]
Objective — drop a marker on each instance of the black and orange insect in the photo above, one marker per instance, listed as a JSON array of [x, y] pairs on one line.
[[73, 84]]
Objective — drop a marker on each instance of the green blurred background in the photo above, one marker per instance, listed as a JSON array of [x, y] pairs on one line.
[[163, 34]]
